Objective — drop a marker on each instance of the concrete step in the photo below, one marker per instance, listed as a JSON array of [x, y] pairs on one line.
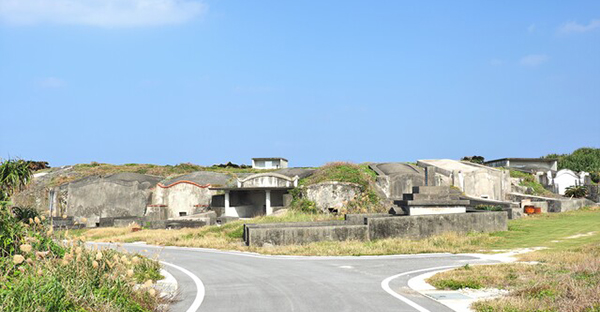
[[441, 190], [420, 196], [428, 203]]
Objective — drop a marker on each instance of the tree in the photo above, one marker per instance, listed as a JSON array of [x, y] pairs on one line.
[[474, 159], [584, 159], [14, 175]]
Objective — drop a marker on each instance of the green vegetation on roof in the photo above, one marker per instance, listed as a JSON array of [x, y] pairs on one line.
[[166, 171], [342, 172]]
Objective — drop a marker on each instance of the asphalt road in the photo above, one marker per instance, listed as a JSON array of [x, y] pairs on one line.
[[235, 281]]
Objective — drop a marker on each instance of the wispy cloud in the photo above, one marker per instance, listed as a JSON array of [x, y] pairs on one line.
[[52, 82], [574, 27], [534, 59], [102, 13], [531, 29]]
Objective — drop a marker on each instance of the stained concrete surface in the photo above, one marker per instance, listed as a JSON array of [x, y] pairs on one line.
[[249, 282]]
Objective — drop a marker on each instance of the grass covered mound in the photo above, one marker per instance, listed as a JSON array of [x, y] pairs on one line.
[[368, 201], [40, 275]]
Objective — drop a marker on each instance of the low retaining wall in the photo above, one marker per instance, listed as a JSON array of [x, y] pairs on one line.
[[428, 225], [361, 218], [303, 235], [556, 204], [377, 226]]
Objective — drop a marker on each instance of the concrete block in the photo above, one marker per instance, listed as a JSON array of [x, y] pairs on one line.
[[427, 225], [305, 235]]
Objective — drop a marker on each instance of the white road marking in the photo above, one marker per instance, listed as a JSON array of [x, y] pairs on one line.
[[385, 284], [199, 287]]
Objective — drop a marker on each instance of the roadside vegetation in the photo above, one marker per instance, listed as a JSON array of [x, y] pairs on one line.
[[38, 274], [547, 230], [563, 277]]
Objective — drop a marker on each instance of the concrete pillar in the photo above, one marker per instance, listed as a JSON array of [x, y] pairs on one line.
[[228, 209], [268, 202]]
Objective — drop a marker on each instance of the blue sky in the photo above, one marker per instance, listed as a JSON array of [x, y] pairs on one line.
[[170, 81]]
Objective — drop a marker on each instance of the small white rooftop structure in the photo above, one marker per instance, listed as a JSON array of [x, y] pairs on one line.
[[269, 163]]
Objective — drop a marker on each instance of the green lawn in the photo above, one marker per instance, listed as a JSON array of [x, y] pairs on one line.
[[542, 230]]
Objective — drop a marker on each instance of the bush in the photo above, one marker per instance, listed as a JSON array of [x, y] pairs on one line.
[[40, 275], [576, 191]]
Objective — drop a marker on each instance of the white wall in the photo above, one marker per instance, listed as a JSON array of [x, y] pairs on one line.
[[565, 178], [264, 164]]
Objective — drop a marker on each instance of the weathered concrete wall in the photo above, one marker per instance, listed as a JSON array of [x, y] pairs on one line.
[[183, 197], [361, 218], [395, 179], [377, 227], [428, 225], [331, 194], [117, 195], [556, 204], [593, 193], [472, 179], [303, 235]]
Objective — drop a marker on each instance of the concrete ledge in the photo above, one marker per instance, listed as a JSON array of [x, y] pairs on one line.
[[361, 218]]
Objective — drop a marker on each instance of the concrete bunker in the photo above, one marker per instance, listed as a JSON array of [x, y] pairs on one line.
[[255, 195]]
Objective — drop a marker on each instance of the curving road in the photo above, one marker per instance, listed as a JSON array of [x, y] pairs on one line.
[[236, 281]]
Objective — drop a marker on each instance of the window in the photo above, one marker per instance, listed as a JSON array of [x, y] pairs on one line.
[[182, 213]]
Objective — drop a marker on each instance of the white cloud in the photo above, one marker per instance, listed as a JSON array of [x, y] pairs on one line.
[[52, 82], [534, 59], [574, 27], [102, 13]]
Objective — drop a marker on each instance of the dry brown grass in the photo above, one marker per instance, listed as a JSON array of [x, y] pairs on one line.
[[565, 280], [212, 237]]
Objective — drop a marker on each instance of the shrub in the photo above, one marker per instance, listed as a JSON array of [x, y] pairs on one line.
[[40, 275], [576, 191], [488, 207]]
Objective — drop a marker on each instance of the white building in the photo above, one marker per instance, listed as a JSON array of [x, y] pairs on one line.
[[565, 178], [269, 163]]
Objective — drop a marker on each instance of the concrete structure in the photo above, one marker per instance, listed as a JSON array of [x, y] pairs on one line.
[[427, 200], [371, 227], [269, 163], [531, 165], [116, 195], [396, 179], [566, 178], [417, 227], [187, 194], [472, 179], [255, 195], [331, 195]]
